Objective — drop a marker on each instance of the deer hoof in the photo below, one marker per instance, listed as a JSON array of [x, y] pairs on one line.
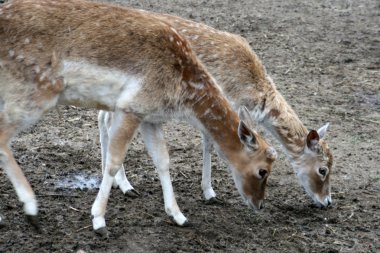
[[34, 221], [2, 222], [214, 201], [132, 193], [185, 224], [103, 232]]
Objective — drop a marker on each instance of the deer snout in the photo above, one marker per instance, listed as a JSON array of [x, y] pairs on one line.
[[256, 205], [324, 202]]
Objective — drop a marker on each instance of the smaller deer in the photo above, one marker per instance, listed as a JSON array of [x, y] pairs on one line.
[[105, 57], [242, 77]]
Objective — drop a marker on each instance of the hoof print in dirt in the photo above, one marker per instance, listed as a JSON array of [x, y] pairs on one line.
[[102, 232], [214, 201], [132, 193], [34, 221]]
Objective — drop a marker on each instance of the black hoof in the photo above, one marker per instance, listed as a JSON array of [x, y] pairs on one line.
[[132, 193], [34, 221], [2, 222], [214, 201], [103, 232], [185, 224]]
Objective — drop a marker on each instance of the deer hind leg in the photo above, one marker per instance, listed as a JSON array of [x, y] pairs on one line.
[[155, 144], [121, 133], [120, 180]]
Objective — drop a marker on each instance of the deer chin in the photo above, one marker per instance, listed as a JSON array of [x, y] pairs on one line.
[[319, 200], [255, 205]]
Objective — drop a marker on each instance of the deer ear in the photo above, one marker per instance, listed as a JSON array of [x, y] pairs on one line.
[[312, 140], [245, 116], [322, 131], [246, 136], [271, 153]]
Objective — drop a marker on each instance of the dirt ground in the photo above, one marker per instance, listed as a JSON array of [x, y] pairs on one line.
[[324, 57]]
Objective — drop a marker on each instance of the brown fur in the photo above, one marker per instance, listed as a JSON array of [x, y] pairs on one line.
[[39, 36], [243, 78]]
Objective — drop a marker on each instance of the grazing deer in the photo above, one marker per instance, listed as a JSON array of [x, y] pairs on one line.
[[242, 77], [107, 57]]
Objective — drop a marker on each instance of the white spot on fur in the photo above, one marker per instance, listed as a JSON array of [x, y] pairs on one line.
[[37, 69], [20, 57], [11, 53], [171, 38], [174, 30], [197, 86], [207, 112], [195, 37], [43, 76], [184, 30], [26, 41]]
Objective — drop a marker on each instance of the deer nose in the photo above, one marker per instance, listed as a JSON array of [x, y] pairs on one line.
[[327, 202], [263, 173], [261, 205]]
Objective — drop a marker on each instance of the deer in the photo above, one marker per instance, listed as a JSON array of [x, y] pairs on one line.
[[104, 56], [245, 82]]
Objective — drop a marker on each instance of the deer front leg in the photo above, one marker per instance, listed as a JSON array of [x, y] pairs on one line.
[[1, 221], [208, 192], [121, 133], [120, 180], [20, 184], [156, 146]]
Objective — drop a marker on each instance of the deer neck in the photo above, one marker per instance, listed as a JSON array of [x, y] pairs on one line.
[[218, 119], [280, 119]]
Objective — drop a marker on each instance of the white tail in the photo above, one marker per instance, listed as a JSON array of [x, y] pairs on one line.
[[106, 57], [244, 81]]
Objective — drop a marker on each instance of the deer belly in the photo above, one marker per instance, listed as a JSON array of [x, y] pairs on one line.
[[99, 87]]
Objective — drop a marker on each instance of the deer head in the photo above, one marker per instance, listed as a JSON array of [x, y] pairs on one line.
[[254, 164], [313, 167]]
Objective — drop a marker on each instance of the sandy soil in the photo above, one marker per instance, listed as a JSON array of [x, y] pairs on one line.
[[324, 57]]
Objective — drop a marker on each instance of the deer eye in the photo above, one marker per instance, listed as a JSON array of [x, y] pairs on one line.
[[322, 171]]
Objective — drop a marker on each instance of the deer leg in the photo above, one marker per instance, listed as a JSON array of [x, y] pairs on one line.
[[120, 180], [2, 223], [20, 183], [208, 192], [155, 144], [121, 133]]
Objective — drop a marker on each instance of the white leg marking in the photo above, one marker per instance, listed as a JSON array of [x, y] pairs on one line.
[[98, 209], [208, 192], [113, 163], [120, 180], [155, 144], [20, 183]]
